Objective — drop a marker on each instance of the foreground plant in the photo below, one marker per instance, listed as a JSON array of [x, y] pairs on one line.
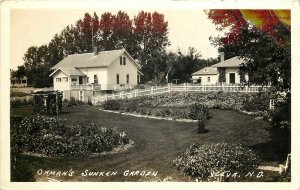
[[49, 136], [201, 162]]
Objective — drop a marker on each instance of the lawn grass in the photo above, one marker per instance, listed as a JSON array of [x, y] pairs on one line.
[[157, 143], [26, 110]]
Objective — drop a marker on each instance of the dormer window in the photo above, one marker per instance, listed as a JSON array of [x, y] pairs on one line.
[[122, 60]]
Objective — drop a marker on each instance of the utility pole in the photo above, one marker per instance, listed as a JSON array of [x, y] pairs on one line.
[[207, 57], [167, 76]]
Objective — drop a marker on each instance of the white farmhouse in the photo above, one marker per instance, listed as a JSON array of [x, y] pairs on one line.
[[84, 75], [229, 70], [207, 75]]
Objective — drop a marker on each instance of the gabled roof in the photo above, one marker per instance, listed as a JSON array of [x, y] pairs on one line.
[[232, 62], [102, 59], [207, 71], [69, 71]]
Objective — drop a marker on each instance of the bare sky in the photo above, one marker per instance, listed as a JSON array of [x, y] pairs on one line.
[[35, 27]]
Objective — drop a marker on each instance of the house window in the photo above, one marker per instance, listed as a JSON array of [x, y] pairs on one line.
[[118, 79], [127, 78], [87, 79], [58, 79], [74, 80], [208, 79], [199, 80], [95, 79], [65, 79], [124, 60]]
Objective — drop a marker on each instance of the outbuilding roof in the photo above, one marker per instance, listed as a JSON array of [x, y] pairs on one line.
[[207, 71], [232, 62], [102, 59]]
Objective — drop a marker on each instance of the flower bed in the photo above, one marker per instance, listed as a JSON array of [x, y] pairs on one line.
[[48, 136], [200, 162], [251, 102]]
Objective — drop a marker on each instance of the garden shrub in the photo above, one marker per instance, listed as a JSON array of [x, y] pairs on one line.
[[131, 106], [256, 102], [111, 105], [46, 135], [72, 102], [165, 112], [198, 111], [201, 126], [199, 162], [281, 115]]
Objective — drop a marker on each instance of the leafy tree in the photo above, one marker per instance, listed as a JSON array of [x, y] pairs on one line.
[[183, 65], [104, 34], [37, 66], [151, 33]]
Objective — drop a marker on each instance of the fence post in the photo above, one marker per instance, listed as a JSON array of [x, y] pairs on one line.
[[151, 90], [185, 88], [247, 89], [113, 96], [135, 93]]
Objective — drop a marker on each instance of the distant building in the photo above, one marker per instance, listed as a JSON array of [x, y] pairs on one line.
[[207, 75], [18, 81], [84, 75], [227, 71]]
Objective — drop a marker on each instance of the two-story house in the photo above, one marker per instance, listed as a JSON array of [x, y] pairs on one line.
[[85, 75]]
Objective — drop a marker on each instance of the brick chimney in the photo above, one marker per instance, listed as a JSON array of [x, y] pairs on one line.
[[221, 56], [95, 51]]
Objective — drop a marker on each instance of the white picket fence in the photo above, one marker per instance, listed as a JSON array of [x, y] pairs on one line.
[[185, 87]]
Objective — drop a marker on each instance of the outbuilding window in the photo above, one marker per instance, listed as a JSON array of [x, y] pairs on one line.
[[58, 79]]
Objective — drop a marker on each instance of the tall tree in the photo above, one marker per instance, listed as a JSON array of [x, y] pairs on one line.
[[37, 66], [105, 33], [122, 32], [151, 32]]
